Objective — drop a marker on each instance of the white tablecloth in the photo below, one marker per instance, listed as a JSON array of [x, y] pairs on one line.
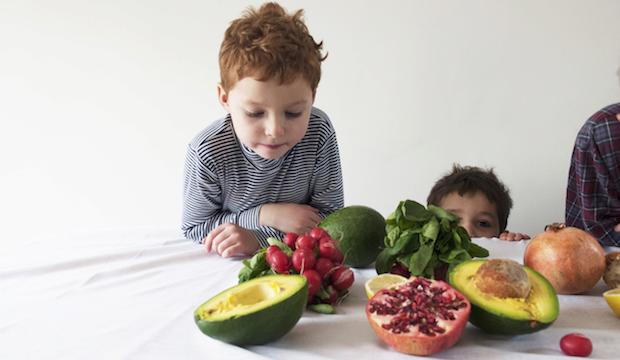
[[131, 295]]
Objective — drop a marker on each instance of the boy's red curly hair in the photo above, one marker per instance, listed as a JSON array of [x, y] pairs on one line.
[[268, 44]]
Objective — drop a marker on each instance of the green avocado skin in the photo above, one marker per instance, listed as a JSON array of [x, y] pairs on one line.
[[501, 325], [259, 327], [359, 232]]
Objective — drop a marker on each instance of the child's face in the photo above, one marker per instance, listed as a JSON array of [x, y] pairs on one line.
[[268, 117], [477, 215]]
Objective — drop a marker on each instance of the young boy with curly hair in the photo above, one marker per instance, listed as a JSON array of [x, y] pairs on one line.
[[271, 165], [479, 199]]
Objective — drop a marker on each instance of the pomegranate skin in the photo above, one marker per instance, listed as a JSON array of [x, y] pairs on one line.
[[415, 342], [571, 259]]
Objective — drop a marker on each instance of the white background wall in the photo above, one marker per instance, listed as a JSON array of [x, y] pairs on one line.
[[99, 99]]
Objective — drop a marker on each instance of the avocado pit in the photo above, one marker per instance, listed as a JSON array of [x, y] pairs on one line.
[[503, 278]]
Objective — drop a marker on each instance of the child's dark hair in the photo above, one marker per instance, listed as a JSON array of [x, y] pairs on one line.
[[470, 180]]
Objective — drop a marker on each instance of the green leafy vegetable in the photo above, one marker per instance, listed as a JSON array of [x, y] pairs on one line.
[[423, 239]]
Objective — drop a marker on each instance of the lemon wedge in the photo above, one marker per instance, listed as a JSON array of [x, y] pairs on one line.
[[613, 299], [382, 281]]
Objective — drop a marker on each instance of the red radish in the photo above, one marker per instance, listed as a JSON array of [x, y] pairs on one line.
[[271, 249], [575, 344], [279, 262], [342, 278], [328, 249], [318, 233], [289, 239], [305, 241], [323, 266], [314, 283], [303, 259], [400, 269]]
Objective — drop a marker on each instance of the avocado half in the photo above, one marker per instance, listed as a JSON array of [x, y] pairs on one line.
[[507, 316], [254, 312]]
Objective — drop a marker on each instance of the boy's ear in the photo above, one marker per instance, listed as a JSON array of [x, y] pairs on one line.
[[222, 96]]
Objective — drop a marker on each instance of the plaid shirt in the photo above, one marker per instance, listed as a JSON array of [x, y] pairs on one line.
[[593, 192]]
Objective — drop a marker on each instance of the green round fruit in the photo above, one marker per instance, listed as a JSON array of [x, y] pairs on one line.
[[254, 312], [359, 232], [507, 315]]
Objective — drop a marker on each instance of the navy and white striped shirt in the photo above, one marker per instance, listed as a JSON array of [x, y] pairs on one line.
[[226, 182]]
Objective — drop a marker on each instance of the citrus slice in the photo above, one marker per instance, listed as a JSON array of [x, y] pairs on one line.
[[613, 299], [382, 281]]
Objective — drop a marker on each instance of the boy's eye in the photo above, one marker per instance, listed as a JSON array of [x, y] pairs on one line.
[[292, 115], [254, 114], [484, 224]]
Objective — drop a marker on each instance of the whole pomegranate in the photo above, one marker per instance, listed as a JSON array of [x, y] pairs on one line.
[[419, 317], [571, 259]]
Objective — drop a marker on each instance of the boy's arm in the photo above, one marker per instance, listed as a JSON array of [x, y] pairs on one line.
[[202, 205], [327, 191], [595, 175]]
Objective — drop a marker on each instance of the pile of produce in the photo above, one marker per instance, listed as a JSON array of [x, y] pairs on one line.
[[570, 258], [424, 242], [315, 256]]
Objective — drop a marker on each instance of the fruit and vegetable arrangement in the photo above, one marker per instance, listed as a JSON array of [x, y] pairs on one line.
[[429, 283]]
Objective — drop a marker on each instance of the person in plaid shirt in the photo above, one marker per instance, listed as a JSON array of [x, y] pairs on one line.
[[593, 191]]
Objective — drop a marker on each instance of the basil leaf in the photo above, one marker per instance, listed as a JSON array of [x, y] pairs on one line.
[[414, 211], [477, 251]]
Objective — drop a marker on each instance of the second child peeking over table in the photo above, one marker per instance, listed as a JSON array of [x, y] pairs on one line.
[[272, 164], [479, 199]]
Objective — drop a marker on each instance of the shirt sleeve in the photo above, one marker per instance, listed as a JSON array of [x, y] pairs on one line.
[[327, 190], [202, 204], [597, 180]]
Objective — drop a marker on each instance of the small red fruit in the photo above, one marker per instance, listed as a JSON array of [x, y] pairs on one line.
[[314, 283], [318, 233], [271, 249], [342, 278], [289, 239], [279, 262], [328, 249], [303, 259], [400, 269], [306, 242], [323, 266], [575, 344]]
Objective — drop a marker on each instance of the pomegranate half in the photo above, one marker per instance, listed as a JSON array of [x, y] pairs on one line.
[[571, 259], [419, 317]]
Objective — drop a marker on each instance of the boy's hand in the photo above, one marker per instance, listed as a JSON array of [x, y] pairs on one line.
[[229, 240], [510, 236], [289, 217]]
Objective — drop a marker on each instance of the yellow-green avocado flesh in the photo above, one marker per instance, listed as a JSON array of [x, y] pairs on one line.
[[507, 316], [254, 312]]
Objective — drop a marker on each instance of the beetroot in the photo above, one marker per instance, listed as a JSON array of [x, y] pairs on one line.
[[419, 317]]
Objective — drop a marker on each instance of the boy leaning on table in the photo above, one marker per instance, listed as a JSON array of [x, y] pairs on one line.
[[593, 190], [272, 164], [479, 199]]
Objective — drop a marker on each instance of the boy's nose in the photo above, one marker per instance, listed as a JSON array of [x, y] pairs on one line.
[[274, 127]]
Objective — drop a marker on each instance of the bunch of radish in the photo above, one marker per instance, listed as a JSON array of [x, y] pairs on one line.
[[314, 255]]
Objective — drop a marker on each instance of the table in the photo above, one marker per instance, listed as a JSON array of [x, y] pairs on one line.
[[131, 295]]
